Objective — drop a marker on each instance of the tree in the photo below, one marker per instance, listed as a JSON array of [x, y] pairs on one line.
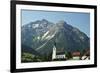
[[68, 55]]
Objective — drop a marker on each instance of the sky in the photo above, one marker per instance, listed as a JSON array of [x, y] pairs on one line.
[[76, 19]]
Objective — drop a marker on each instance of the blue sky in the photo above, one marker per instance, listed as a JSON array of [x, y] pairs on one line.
[[78, 20]]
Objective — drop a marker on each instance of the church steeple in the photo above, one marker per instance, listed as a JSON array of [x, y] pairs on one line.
[[55, 44], [54, 51], [58, 54]]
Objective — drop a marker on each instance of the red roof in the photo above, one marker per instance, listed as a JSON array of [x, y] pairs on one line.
[[76, 54]]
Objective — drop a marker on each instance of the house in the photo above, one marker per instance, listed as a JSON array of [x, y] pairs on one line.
[[86, 55], [60, 55], [76, 55], [57, 54]]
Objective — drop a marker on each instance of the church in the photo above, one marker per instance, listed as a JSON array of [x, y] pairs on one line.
[[57, 54]]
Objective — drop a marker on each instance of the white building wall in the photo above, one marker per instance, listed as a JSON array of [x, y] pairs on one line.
[[76, 58], [60, 56], [54, 53]]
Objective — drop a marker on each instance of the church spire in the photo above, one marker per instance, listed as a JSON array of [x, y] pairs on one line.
[[55, 44], [54, 52]]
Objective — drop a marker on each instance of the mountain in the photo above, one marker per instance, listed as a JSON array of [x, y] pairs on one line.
[[42, 34], [27, 49], [33, 31]]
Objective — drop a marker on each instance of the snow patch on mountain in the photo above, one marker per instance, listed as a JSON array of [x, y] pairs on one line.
[[45, 35], [35, 26]]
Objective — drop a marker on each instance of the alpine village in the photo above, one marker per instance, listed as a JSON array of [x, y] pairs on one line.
[[44, 41]]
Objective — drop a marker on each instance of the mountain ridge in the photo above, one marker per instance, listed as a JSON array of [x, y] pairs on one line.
[[66, 36]]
